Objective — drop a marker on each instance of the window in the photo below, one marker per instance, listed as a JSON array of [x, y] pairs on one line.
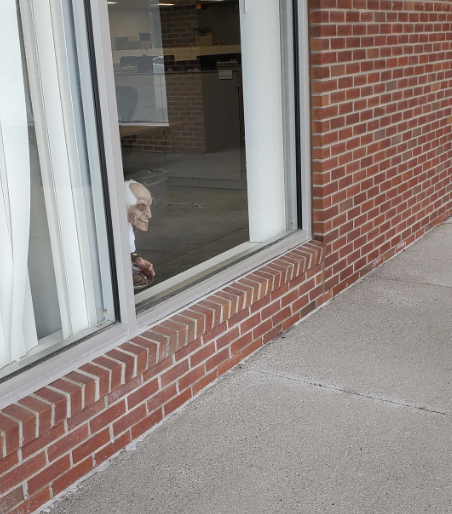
[[206, 113], [55, 276], [199, 156]]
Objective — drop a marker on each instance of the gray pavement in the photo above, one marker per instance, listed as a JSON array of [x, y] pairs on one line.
[[349, 412]]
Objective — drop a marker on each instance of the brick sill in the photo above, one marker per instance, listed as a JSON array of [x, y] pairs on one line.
[[56, 435]]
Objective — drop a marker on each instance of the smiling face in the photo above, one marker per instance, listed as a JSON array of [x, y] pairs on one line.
[[140, 213]]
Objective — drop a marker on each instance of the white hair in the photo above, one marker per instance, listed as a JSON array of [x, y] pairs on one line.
[[130, 197]]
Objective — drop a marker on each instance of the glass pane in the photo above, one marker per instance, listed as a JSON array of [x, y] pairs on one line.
[[185, 99], [52, 235]]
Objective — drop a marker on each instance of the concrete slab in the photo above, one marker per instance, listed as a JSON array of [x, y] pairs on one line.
[[259, 443], [381, 338], [428, 261], [347, 413]]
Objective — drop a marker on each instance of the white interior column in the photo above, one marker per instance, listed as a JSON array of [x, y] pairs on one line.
[[263, 106]]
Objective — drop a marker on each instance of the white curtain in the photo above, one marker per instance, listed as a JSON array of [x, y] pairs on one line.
[[17, 324], [61, 157]]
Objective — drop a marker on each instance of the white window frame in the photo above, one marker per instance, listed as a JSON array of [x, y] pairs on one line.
[[22, 382]]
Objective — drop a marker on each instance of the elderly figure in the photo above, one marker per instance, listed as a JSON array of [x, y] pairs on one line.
[[139, 201]]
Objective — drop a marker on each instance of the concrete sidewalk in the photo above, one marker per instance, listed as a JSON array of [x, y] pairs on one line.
[[349, 412]]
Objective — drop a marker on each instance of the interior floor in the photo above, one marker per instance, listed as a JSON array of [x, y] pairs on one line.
[[223, 165], [200, 223]]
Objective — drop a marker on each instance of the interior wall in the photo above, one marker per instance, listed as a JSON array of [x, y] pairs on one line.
[[224, 20], [128, 22]]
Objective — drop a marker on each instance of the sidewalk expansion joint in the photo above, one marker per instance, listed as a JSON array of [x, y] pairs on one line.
[[414, 282], [311, 383]]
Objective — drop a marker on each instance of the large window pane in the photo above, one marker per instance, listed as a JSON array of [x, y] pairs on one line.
[[206, 118], [55, 275]]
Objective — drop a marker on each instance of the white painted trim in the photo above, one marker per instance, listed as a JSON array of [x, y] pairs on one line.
[[305, 115], [112, 144]]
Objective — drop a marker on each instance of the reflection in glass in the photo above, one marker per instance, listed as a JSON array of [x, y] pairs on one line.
[[181, 113]]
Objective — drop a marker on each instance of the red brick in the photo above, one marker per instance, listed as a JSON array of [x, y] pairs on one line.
[[27, 420], [188, 379], [89, 387], [240, 316], [43, 441], [160, 398], [260, 304], [174, 373], [11, 499], [151, 347], [22, 472], [48, 475], [281, 316], [10, 429], [250, 323], [262, 329], [204, 382], [107, 417], [214, 333], [158, 368], [124, 390], [202, 354], [118, 444], [101, 375], [91, 445], [230, 363], [170, 334], [147, 423], [162, 342], [58, 400], [115, 370], [32, 503], [86, 414], [190, 348], [68, 442], [208, 316], [177, 402], [74, 474], [130, 419], [270, 310], [43, 410], [9, 462], [127, 360], [74, 391], [272, 334], [248, 350], [141, 357], [142, 394], [241, 343], [227, 338], [218, 358]]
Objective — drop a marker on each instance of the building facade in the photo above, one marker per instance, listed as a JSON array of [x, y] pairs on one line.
[[181, 182]]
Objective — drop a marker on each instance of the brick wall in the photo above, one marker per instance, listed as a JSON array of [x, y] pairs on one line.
[[178, 25], [382, 128], [60, 433], [186, 133]]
